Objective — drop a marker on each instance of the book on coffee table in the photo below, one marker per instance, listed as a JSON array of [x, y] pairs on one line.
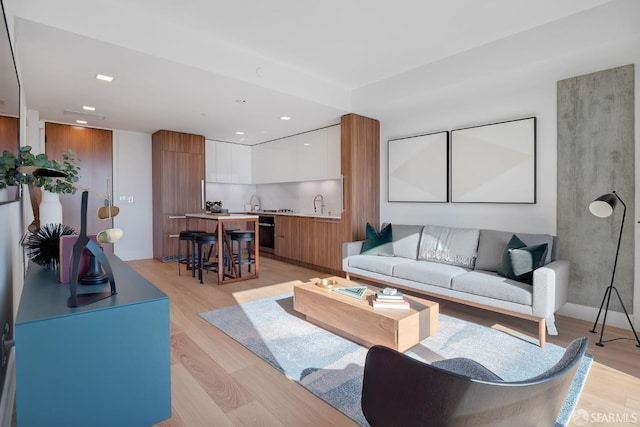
[[400, 304], [353, 291]]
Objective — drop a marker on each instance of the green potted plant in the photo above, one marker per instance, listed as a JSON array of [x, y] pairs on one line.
[[8, 169], [50, 209], [68, 165]]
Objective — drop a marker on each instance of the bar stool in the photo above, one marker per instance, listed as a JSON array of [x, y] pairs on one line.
[[240, 236], [228, 262], [190, 258], [202, 239]]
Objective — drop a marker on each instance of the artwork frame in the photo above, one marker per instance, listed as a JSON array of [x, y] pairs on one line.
[[418, 168], [494, 163]]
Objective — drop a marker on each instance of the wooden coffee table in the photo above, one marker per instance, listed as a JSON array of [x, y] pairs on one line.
[[357, 320]]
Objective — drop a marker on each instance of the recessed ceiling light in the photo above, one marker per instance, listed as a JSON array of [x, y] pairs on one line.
[[88, 108], [104, 78], [81, 122], [306, 144], [285, 118], [239, 133]]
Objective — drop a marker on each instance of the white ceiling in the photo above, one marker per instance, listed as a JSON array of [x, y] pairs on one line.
[[214, 67]]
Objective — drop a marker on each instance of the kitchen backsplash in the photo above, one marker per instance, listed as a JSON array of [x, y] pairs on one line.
[[297, 196]]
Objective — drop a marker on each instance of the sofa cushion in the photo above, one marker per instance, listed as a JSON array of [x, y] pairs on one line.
[[432, 273], [406, 239], [378, 243], [519, 261], [376, 264], [455, 246], [525, 260], [491, 246], [505, 268], [489, 284]]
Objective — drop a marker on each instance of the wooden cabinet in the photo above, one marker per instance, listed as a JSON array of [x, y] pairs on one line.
[[104, 364], [288, 236], [360, 165], [322, 242], [178, 162], [309, 240]]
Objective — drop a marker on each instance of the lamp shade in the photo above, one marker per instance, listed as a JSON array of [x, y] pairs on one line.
[[603, 206]]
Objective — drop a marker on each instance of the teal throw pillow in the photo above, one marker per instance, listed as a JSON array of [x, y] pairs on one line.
[[504, 268], [378, 243], [519, 260]]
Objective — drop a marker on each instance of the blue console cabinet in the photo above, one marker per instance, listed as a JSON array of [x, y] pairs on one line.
[[104, 364]]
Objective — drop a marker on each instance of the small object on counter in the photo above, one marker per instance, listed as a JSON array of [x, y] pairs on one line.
[[214, 207]]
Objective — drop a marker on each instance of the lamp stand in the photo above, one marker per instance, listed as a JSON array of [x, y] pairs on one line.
[[607, 293]]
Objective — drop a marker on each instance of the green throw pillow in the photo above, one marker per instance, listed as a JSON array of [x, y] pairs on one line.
[[519, 260], [378, 243]]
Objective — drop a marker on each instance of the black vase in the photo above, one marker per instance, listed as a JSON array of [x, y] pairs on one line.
[[95, 274]]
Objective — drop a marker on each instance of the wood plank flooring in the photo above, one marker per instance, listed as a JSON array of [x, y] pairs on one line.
[[217, 382]]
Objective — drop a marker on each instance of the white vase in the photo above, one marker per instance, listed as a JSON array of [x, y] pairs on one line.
[[4, 195], [50, 208]]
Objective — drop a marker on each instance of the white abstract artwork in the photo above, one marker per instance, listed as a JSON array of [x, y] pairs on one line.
[[494, 163], [418, 168]]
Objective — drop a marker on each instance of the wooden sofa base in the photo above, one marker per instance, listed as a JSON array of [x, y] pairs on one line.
[[542, 324]]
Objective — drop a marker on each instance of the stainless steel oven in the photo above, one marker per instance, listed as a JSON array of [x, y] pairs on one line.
[[267, 231]]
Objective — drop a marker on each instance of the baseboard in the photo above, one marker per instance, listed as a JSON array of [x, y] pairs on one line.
[[8, 392], [583, 312]]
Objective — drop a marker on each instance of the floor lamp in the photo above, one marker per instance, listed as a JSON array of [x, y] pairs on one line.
[[603, 207]]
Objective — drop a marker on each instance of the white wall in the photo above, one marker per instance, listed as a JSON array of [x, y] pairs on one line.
[[132, 180], [508, 79]]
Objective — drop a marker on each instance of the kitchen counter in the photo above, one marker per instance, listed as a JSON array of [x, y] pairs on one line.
[[307, 215]]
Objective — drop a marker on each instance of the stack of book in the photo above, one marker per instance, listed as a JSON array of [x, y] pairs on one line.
[[390, 298]]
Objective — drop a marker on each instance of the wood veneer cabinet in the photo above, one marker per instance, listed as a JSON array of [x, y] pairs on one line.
[[323, 246], [360, 164], [288, 236], [178, 163]]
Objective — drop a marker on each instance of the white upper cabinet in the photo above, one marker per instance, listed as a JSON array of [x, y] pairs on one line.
[[223, 162], [210, 168], [311, 155], [334, 168], [308, 156], [227, 163], [241, 161]]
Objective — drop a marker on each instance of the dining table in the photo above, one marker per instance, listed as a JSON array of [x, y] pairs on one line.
[[222, 221]]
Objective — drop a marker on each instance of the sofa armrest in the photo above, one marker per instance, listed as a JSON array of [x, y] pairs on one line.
[[550, 288], [349, 249]]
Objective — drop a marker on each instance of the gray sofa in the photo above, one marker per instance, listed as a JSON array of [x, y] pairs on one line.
[[461, 265]]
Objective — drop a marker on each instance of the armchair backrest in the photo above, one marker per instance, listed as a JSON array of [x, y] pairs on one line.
[[399, 390]]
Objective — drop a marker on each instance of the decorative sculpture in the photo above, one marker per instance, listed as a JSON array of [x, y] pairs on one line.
[[78, 300]]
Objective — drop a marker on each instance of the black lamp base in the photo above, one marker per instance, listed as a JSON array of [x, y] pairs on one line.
[[607, 297]]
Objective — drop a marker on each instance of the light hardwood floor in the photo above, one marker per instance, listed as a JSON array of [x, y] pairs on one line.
[[217, 382]]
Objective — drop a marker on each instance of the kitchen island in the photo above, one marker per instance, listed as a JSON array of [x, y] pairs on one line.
[[223, 220]]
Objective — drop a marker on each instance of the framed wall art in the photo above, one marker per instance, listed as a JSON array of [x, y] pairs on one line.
[[419, 168], [494, 163]]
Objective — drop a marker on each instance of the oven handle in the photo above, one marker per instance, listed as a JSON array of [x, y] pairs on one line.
[[266, 224]]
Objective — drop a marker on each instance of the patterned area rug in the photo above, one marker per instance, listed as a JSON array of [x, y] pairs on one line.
[[331, 367]]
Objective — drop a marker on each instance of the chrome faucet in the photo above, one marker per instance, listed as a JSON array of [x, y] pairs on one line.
[[320, 199]]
